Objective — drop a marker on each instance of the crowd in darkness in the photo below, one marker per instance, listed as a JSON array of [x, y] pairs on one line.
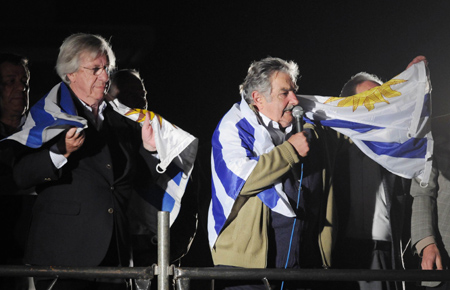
[[66, 201]]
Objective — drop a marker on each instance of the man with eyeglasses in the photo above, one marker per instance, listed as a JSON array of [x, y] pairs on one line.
[[83, 178]]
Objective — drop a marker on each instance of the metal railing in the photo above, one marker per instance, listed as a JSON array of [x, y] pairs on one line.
[[78, 272], [182, 276]]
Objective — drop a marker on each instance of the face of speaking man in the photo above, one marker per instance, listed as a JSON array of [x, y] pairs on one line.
[[282, 100]]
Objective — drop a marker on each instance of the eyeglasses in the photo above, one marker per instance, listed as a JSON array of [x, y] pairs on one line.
[[96, 71]]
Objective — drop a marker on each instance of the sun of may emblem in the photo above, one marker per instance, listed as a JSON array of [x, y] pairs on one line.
[[141, 115], [369, 97]]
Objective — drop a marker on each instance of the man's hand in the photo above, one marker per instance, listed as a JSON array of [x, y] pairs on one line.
[[300, 143], [72, 141], [431, 258], [148, 136], [416, 60]]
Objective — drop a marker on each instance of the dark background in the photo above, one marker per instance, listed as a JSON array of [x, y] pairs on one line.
[[193, 55]]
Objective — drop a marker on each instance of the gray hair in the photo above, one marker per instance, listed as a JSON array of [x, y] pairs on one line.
[[76, 45], [259, 76], [349, 88]]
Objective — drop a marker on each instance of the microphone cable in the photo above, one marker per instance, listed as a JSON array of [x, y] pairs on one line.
[[295, 220]]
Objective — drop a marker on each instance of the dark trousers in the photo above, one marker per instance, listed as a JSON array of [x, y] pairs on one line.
[[112, 259]]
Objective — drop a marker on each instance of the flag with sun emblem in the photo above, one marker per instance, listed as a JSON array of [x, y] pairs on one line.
[[389, 123], [177, 150]]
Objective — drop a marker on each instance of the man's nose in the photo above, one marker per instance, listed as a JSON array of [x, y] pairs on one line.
[[22, 85], [293, 98], [104, 76]]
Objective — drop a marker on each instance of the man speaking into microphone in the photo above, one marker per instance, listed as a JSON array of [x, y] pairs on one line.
[[257, 211]]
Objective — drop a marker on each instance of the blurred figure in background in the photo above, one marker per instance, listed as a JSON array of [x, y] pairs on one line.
[[14, 102], [127, 86], [15, 204]]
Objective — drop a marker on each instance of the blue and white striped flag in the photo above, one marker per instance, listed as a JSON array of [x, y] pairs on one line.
[[48, 118], [389, 123], [177, 149], [237, 143]]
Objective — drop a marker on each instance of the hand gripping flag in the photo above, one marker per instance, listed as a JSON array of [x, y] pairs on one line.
[[177, 149], [389, 123]]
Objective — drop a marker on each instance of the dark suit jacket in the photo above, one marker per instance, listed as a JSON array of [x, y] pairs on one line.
[[431, 205], [398, 204], [80, 205], [398, 200]]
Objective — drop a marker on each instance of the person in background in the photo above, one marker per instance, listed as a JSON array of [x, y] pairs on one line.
[[15, 204], [14, 102], [430, 227], [373, 205], [128, 87]]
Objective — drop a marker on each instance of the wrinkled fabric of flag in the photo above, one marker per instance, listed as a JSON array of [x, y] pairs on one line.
[[389, 123], [237, 143], [177, 149]]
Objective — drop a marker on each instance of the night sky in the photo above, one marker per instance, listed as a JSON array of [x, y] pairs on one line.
[[193, 55]]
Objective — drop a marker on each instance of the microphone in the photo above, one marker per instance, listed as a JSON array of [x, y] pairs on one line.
[[297, 113]]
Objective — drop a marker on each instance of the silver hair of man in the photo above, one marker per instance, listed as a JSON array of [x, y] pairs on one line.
[[78, 45], [259, 77], [349, 89]]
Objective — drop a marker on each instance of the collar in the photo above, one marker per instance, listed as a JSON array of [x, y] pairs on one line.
[[101, 106], [268, 122], [278, 136]]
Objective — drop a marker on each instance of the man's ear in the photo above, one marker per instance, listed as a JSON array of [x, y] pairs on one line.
[[258, 100], [71, 77]]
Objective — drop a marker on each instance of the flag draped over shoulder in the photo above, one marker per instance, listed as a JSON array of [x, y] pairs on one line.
[[237, 143], [48, 118], [389, 123], [177, 149]]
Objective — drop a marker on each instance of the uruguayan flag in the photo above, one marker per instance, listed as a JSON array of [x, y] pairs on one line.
[[237, 143], [48, 118], [177, 149], [389, 123]]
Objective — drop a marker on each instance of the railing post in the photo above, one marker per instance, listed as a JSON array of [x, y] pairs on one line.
[[183, 284], [163, 250]]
